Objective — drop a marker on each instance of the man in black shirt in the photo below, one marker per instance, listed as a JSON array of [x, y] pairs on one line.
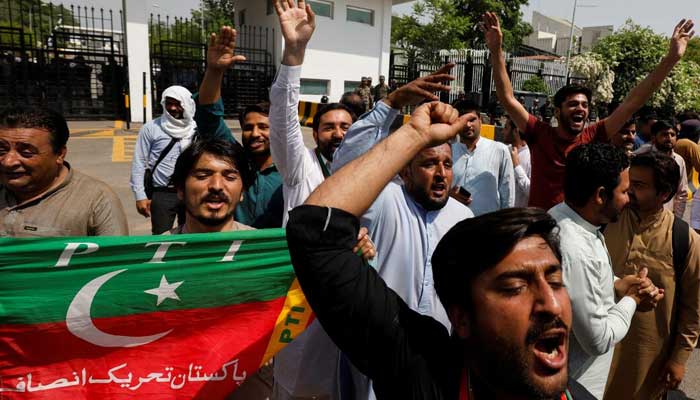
[[506, 301]]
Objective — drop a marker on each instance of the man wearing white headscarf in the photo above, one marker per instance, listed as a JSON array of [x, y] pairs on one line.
[[158, 146]]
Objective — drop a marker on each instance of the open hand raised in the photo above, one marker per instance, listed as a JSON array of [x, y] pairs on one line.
[[682, 33], [297, 22], [221, 51], [492, 31]]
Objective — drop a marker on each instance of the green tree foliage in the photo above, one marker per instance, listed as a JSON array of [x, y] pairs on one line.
[[633, 51], [693, 52], [536, 85], [435, 25], [36, 19]]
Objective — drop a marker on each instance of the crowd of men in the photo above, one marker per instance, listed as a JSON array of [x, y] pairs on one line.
[[429, 276]]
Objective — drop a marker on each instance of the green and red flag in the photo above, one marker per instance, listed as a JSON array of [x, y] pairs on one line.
[[157, 317]]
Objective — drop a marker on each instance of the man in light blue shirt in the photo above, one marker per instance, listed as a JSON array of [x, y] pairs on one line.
[[184, 117], [412, 213], [482, 167], [595, 193]]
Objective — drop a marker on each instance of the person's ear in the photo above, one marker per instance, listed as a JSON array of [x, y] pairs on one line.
[[601, 196], [61, 155], [180, 194], [460, 321], [315, 135]]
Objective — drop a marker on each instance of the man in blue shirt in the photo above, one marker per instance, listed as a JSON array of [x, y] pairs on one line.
[[186, 118], [482, 167]]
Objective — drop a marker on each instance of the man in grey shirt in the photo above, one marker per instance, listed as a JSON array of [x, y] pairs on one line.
[[40, 194]]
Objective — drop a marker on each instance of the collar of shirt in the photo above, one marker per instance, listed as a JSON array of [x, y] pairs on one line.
[[651, 222], [12, 200], [579, 220]]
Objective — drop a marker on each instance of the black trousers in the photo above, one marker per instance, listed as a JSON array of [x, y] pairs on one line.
[[165, 206]]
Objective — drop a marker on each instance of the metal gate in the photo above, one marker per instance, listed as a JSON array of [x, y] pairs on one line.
[[178, 57], [67, 58]]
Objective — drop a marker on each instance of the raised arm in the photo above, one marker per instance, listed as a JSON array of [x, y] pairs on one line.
[[354, 187], [504, 90], [210, 107], [220, 57], [642, 92], [297, 24], [375, 125]]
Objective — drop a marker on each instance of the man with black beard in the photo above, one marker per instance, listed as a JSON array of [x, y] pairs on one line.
[[210, 177], [549, 145], [506, 300], [595, 192]]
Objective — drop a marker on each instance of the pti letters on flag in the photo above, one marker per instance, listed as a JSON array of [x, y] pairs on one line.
[[181, 316]]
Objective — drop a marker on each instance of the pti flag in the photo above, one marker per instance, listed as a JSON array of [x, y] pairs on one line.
[[157, 317]]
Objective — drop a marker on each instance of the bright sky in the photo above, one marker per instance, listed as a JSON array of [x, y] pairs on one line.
[[660, 15]]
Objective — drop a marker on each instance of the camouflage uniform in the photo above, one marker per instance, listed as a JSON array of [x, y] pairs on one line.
[[365, 93], [380, 91]]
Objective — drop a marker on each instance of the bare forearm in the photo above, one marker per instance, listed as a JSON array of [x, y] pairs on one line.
[[210, 89], [639, 95], [293, 56], [355, 186], [504, 91]]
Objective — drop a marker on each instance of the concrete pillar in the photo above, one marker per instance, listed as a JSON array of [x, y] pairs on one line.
[[385, 26], [138, 57]]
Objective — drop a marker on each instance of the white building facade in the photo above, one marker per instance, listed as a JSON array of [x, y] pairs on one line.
[[352, 40]]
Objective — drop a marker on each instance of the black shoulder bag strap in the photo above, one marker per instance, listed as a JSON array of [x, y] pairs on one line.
[[164, 153], [680, 242], [680, 237]]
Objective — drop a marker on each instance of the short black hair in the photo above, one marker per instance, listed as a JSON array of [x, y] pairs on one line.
[[326, 108], [457, 261], [354, 103], [231, 151], [629, 123], [690, 129], [645, 118], [686, 115], [466, 106], [591, 166], [37, 117], [662, 125], [568, 90], [260, 108], [667, 173]]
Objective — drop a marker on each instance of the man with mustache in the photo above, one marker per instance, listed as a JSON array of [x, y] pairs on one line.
[[507, 302], [414, 211], [595, 193], [210, 177], [549, 145], [663, 139], [483, 167], [311, 366], [41, 194], [651, 359], [625, 138]]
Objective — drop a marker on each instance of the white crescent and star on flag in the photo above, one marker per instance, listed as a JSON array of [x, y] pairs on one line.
[[79, 320]]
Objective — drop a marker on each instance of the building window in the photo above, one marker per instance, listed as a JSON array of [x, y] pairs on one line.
[[241, 17], [350, 86], [315, 86], [322, 8], [361, 15]]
